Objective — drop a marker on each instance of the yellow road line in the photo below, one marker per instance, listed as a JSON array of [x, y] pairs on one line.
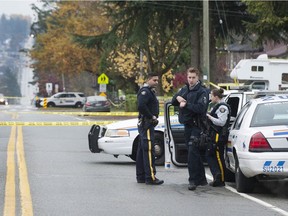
[[26, 200], [10, 201]]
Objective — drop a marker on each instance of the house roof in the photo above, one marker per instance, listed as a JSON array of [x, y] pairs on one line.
[[277, 52], [236, 47]]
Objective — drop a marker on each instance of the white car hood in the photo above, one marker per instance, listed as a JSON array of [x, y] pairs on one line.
[[130, 123], [123, 124]]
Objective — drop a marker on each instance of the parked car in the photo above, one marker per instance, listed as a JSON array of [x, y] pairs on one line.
[[65, 99], [257, 146], [174, 133], [122, 138], [96, 104], [3, 100]]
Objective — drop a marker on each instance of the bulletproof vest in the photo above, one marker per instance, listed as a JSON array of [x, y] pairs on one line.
[[223, 131], [153, 105], [186, 116]]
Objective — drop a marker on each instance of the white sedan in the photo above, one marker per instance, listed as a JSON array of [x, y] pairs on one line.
[[257, 147], [121, 138]]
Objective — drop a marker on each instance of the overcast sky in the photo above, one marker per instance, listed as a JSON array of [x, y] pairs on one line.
[[23, 7]]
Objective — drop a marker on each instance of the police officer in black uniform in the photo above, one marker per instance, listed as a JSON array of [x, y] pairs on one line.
[[192, 100], [148, 107], [219, 119]]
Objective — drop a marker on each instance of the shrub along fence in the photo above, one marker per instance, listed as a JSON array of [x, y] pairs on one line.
[[131, 102]]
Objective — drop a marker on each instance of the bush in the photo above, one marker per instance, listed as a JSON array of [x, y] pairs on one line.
[[131, 103]]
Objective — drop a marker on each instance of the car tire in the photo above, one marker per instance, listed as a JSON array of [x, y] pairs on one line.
[[134, 149], [243, 184], [229, 175], [78, 105], [51, 104], [158, 147]]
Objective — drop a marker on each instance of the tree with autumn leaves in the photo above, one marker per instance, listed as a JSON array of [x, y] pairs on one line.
[[56, 54], [167, 33], [126, 39]]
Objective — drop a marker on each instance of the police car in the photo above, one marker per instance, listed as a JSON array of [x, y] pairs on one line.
[[65, 99], [121, 138], [258, 142]]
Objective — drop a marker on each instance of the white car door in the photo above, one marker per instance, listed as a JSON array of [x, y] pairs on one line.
[[235, 137], [70, 99]]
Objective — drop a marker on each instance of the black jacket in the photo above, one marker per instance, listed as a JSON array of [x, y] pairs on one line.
[[197, 103], [148, 104]]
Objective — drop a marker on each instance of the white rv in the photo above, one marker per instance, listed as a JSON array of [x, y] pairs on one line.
[[262, 73]]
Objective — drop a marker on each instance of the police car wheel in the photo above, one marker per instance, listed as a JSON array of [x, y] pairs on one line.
[[243, 184], [78, 105], [159, 149], [50, 105], [229, 175], [134, 149]]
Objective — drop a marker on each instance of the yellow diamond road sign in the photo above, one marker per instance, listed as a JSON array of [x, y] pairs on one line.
[[103, 79]]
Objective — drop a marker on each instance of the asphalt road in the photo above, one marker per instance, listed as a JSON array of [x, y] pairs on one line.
[[56, 174]]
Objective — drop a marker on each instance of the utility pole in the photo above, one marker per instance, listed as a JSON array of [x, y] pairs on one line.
[[206, 37], [141, 76], [63, 82]]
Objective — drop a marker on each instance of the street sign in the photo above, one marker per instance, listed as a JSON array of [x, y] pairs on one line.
[[102, 94], [103, 79], [102, 88], [48, 87], [56, 88]]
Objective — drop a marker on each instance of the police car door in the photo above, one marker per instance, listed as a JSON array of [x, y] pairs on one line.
[[175, 147], [62, 99], [70, 99]]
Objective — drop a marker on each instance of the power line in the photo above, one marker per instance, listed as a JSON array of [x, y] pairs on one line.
[[199, 9], [225, 20], [221, 22]]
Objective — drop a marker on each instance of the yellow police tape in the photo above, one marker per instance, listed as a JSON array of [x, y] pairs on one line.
[[81, 113], [12, 97], [86, 123], [89, 113], [92, 113]]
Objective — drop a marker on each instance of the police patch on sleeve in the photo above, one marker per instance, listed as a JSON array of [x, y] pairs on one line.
[[143, 92], [222, 110], [205, 100]]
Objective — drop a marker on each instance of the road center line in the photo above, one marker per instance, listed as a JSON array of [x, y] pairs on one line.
[[10, 200], [26, 200], [265, 204]]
